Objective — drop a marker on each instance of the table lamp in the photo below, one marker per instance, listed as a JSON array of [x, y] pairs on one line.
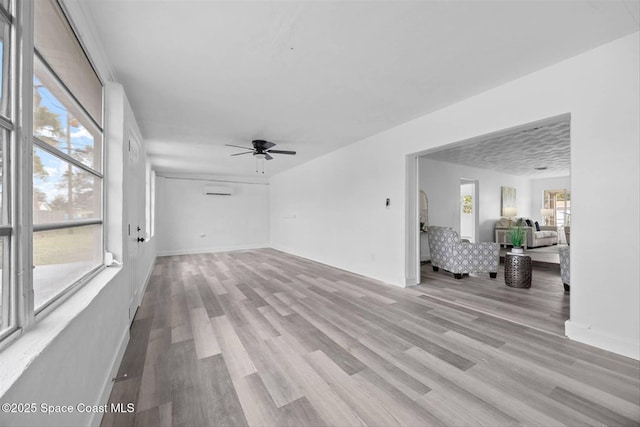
[[509, 212], [546, 213]]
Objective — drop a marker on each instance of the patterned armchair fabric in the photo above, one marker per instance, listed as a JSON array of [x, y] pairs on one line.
[[461, 257], [565, 272]]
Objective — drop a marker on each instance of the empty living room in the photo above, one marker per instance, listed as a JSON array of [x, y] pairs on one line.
[[319, 213]]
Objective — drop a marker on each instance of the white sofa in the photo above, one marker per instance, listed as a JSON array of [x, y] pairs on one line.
[[546, 236]]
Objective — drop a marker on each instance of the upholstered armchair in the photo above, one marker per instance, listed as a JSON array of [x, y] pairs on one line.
[[461, 257], [565, 272]]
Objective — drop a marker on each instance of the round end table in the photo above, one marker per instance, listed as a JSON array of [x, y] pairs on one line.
[[517, 270]]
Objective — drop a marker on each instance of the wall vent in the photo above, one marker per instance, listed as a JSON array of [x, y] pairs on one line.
[[217, 190]]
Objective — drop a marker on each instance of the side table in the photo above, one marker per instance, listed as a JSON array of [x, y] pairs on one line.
[[502, 236], [517, 270]]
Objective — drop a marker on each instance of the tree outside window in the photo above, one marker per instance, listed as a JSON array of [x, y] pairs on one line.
[[467, 204]]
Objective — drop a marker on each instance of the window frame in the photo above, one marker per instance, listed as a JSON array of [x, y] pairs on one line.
[[10, 311], [18, 188]]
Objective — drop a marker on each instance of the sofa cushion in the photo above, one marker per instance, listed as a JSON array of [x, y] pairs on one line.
[[545, 233], [537, 226]]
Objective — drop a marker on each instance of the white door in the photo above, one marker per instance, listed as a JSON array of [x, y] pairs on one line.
[[135, 224]]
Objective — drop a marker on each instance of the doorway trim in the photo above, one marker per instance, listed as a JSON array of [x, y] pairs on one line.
[[412, 221]]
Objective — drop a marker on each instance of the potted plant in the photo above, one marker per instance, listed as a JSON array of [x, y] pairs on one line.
[[516, 235]]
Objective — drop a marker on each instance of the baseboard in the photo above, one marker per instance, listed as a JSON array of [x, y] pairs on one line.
[[411, 281], [148, 278], [586, 335], [96, 418], [401, 283], [211, 250]]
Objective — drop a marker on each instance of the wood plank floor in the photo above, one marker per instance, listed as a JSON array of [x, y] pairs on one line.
[[263, 338], [544, 306]]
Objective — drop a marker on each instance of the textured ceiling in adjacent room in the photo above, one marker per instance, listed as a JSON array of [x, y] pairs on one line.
[[521, 152]]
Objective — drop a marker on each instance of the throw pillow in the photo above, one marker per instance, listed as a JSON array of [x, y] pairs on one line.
[[529, 223], [537, 226]]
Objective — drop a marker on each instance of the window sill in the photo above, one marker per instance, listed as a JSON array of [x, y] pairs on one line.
[[18, 354]]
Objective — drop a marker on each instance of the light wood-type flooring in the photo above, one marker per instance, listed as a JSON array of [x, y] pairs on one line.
[[264, 338], [544, 306]]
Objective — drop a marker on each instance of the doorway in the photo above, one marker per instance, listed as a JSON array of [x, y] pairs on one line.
[[469, 218], [532, 156]]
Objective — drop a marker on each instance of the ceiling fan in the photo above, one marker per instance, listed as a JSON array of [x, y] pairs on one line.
[[261, 149]]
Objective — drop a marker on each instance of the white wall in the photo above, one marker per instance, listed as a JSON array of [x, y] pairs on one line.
[[338, 199], [77, 364], [441, 182], [192, 222], [333, 210]]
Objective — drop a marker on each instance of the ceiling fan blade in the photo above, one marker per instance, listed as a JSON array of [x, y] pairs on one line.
[[261, 143], [239, 146], [246, 152], [267, 156], [282, 152]]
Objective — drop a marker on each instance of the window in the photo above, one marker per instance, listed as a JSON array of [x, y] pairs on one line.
[[153, 203], [150, 201], [559, 202], [67, 158], [147, 192], [51, 202], [467, 204]]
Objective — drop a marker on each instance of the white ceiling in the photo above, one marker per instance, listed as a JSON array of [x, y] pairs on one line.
[[313, 76], [522, 152]]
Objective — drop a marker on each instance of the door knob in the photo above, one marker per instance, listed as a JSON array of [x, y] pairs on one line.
[[140, 239]]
